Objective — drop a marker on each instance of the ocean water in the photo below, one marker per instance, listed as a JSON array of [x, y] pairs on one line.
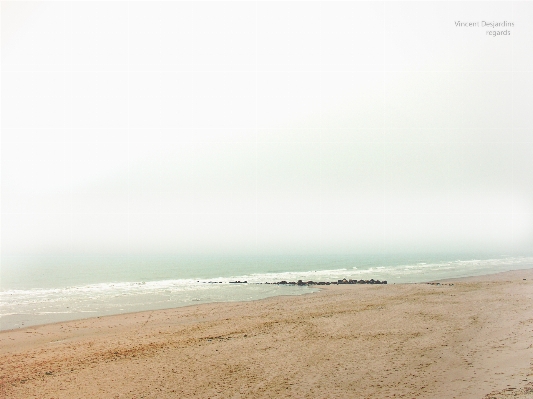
[[39, 290]]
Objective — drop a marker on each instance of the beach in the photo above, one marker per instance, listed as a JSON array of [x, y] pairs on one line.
[[462, 338]]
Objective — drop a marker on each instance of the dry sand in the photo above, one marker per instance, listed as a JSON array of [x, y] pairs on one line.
[[472, 339]]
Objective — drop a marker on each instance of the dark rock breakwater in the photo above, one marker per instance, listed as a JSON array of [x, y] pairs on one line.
[[307, 283], [343, 281]]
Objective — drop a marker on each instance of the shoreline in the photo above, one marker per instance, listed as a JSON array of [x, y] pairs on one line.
[[314, 287], [311, 290], [469, 339], [496, 276]]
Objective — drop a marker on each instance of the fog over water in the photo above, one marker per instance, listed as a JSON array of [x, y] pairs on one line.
[[257, 129]]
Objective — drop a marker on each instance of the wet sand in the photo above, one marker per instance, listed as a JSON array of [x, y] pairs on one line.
[[466, 338]]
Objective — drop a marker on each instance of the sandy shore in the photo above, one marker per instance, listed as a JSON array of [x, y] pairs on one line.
[[468, 338]]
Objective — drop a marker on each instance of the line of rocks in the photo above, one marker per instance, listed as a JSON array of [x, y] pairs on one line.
[[451, 285], [343, 281], [310, 282]]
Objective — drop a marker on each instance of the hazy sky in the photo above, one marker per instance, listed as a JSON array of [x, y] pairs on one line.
[[253, 127]]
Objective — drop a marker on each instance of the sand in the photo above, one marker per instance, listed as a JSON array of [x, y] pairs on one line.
[[468, 338]]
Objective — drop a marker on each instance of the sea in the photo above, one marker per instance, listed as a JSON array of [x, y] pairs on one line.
[[38, 290]]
